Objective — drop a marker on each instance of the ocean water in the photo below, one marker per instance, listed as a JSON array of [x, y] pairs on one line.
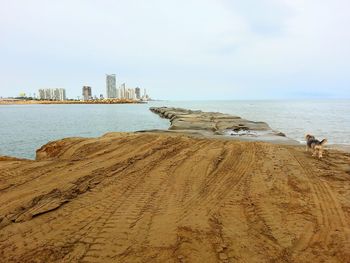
[[25, 128]]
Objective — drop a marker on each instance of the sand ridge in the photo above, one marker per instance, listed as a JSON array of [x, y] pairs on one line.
[[150, 197]]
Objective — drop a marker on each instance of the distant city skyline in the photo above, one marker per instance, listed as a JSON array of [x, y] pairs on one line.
[[112, 92], [208, 49]]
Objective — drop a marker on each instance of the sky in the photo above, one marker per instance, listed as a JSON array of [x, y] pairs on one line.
[[178, 49]]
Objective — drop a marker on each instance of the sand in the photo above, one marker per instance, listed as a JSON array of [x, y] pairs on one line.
[[150, 197]]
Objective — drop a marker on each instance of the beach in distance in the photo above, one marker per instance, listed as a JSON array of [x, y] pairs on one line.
[[186, 186], [53, 102]]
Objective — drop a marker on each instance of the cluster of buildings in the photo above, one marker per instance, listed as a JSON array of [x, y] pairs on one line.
[[112, 92], [52, 94], [122, 92]]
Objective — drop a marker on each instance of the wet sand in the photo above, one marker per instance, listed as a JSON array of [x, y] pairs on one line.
[[166, 197]]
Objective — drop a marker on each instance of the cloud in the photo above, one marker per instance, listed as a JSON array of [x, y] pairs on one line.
[[178, 49]]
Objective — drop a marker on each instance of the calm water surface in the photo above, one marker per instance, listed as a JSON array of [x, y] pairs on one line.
[[24, 128]]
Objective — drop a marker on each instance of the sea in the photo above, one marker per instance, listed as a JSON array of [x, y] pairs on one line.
[[25, 128]]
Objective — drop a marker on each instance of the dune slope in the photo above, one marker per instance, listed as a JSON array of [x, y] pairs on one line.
[[147, 197]]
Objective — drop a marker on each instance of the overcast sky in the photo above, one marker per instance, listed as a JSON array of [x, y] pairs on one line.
[[178, 49]]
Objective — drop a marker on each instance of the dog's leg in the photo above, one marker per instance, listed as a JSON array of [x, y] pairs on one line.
[[320, 152], [314, 152]]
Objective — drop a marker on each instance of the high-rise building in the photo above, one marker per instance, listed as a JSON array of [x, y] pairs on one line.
[[41, 94], [111, 86], [131, 94], [52, 94], [122, 91], [62, 94], [138, 93], [87, 95], [58, 94]]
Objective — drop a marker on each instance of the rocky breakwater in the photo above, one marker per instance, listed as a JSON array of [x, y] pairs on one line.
[[219, 124]]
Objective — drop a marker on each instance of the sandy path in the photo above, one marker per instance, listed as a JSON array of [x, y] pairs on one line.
[[171, 198]]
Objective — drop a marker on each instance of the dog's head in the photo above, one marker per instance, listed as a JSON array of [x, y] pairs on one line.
[[309, 137]]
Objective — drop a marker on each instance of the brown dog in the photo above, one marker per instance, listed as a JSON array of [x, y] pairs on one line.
[[315, 145]]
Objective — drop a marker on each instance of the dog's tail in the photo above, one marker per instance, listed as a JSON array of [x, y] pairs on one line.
[[324, 141]]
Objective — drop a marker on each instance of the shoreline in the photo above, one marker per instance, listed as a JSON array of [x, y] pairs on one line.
[[105, 101], [344, 148], [216, 125]]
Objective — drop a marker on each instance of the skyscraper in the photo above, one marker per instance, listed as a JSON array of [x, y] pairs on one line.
[[41, 94], [87, 95], [111, 86], [138, 93], [59, 94], [62, 94], [122, 92]]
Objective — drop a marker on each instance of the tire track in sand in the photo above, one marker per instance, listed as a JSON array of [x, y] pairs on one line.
[[90, 217], [330, 217], [221, 179], [141, 198]]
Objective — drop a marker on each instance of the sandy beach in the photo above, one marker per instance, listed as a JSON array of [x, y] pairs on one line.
[[151, 197]]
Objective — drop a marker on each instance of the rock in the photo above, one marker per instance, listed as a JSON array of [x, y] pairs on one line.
[[218, 124], [219, 249], [4, 222], [223, 256], [280, 134], [192, 124], [219, 133]]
